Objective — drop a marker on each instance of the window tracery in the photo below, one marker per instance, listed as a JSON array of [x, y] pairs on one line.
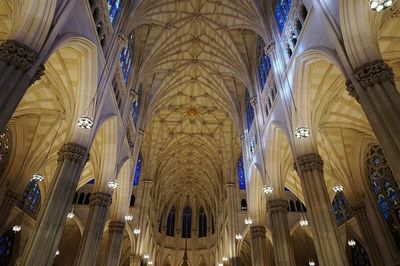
[[357, 255], [202, 223], [136, 107], [341, 208], [264, 64], [113, 9], [32, 197], [249, 110], [187, 222], [241, 176], [282, 9], [137, 171], [6, 246], [171, 222], [125, 59]]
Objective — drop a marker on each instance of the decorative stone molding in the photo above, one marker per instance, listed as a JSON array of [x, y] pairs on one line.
[[242, 138], [17, 54], [351, 90], [116, 227], [310, 162], [38, 74], [73, 152], [122, 39], [253, 101], [258, 231], [229, 186], [140, 133], [278, 205], [100, 199], [269, 47], [374, 73]]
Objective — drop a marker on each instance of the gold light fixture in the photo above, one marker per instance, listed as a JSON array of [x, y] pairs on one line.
[[379, 5]]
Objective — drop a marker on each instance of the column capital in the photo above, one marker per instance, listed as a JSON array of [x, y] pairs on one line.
[[38, 74], [116, 227], [73, 152], [258, 231], [253, 101], [17, 54], [269, 47], [375, 72], [100, 198], [278, 205], [122, 39], [351, 90], [309, 162]]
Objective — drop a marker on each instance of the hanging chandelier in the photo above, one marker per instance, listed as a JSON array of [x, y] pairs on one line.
[[268, 190], [113, 184], [379, 5], [85, 122], [16, 228], [57, 252], [303, 222], [37, 177], [128, 217], [311, 262], [248, 221], [337, 188], [238, 236], [70, 215], [136, 231], [351, 242], [302, 132]]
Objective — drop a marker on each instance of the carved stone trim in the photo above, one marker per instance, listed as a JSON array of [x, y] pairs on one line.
[[258, 231], [269, 47], [253, 101], [374, 73], [73, 152], [278, 205], [122, 39], [100, 199], [38, 74], [310, 162], [18, 55], [352, 91], [242, 137], [116, 227]]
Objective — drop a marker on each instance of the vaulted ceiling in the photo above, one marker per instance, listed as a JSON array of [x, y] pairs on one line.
[[195, 57]]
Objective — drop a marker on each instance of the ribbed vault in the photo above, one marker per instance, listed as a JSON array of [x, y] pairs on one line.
[[194, 57]]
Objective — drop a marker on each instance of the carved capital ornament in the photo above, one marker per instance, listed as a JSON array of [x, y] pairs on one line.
[[19, 55], [310, 162], [374, 73], [351, 90], [100, 199], [73, 152]]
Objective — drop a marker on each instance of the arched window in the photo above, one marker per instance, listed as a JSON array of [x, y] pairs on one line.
[[212, 225], [113, 8], [137, 171], [282, 9], [264, 64], [87, 199], [242, 180], [6, 247], [171, 222], [385, 189], [4, 149], [81, 198], [132, 202], [357, 255], [32, 197], [340, 207], [136, 107], [292, 207], [125, 59], [187, 222], [249, 110], [75, 198], [202, 223], [243, 205]]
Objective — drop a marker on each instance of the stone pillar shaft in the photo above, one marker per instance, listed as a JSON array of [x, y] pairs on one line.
[[16, 62], [90, 242], [46, 234], [380, 99], [115, 237], [230, 190], [326, 238], [283, 250], [134, 260], [259, 251], [10, 200]]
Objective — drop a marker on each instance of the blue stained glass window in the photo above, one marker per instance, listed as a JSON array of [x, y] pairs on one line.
[[187, 222], [91, 182], [282, 9], [340, 206], [241, 176], [31, 197], [358, 255], [171, 222], [136, 107], [6, 246], [264, 64], [249, 111], [113, 8], [202, 223], [125, 59], [137, 171]]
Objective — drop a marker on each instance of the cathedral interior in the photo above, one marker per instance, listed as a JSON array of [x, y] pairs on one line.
[[200, 132]]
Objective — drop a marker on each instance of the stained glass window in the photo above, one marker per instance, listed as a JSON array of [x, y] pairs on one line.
[[136, 107], [32, 197], [264, 64], [171, 222], [357, 255], [6, 246], [249, 110], [113, 8], [385, 189], [241, 177], [137, 171], [125, 59], [202, 223], [340, 206], [187, 222], [4, 149], [282, 9]]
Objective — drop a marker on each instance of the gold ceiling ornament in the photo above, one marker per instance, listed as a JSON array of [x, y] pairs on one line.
[[192, 112]]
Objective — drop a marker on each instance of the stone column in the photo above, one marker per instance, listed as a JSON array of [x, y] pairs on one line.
[[10, 200], [17, 63], [326, 238], [134, 260], [46, 234], [376, 92], [283, 250], [90, 242], [230, 193], [259, 250], [116, 231]]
